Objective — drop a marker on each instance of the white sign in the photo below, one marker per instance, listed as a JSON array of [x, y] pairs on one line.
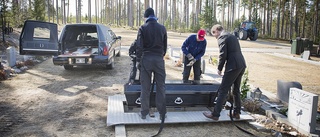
[[302, 109]]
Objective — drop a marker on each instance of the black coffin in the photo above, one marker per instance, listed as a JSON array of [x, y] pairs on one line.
[[178, 94]]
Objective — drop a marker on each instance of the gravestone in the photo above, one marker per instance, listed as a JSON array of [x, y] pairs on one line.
[[306, 55], [302, 110], [11, 56], [283, 88]]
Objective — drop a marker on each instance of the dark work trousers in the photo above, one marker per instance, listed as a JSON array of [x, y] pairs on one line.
[[229, 78], [152, 64], [133, 71], [196, 70]]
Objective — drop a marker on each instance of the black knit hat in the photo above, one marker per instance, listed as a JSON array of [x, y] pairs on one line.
[[148, 12]]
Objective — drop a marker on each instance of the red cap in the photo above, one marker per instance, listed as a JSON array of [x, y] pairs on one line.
[[201, 34]]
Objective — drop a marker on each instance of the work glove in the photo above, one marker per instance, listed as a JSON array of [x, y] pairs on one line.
[[191, 62], [190, 57], [132, 55]]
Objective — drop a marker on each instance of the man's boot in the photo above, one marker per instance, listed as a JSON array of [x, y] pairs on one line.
[[151, 112], [196, 82]]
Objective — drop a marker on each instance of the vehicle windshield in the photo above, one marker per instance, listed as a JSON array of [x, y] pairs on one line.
[[248, 25]]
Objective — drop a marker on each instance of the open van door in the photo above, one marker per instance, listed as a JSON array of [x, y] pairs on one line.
[[39, 38]]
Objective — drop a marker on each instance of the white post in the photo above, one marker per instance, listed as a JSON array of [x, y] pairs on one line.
[[11, 56]]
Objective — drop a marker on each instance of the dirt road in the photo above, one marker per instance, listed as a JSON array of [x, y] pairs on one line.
[[49, 101]]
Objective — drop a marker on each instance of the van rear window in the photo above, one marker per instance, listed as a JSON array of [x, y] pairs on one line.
[[41, 34]]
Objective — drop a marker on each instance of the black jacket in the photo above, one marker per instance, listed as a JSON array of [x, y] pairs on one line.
[[230, 53], [151, 39], [133, 48]]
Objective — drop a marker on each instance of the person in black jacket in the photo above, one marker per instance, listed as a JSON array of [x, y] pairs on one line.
[[151, 48], [132, 54], [235, 65]]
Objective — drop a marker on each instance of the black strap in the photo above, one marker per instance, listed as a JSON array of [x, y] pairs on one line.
[[161, 125], [162, 116], [243, 130]]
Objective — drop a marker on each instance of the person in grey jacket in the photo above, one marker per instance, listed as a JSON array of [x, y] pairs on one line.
[[231, 57], [151, 49]]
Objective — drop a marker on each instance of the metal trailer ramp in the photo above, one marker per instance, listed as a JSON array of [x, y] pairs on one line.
[[116, 116]]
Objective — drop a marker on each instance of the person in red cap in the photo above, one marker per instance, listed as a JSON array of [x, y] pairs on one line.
[[193, 48]]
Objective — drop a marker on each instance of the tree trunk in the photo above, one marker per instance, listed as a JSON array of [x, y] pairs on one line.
[[68, 18], [316, 21], [297, 20], [228, 15], [287, 24], [223, 13], [173, 18], [291, 18], [244, 10], [57, 10], [77, 12], [304, 20], [197, 13], [187, 12], [52, 10], [124, 16], [264, 17], [215, 9], [130, 13], [101, 11], [165, 10], [146, 4], [250, 10], [238, 9], [271, 19], [118, 12], [64, 12], [156, 9], [282, 20], [138, 13], [89, 11], [160, 11], [48, 8], [233, 14], [96, 10]]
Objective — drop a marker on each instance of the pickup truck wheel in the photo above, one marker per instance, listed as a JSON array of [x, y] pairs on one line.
[[68, 67], [111, 65]]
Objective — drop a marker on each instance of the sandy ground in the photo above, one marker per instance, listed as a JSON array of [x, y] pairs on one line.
[[49, 101]]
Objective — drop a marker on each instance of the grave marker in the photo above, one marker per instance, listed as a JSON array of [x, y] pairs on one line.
[[306, 55], [283, 89], [302, 110], [11, 56]]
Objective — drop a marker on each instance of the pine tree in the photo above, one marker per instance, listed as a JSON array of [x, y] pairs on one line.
[[39, 10], [207, 19]]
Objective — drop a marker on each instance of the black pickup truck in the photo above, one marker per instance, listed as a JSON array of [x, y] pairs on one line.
[[78, 44]]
